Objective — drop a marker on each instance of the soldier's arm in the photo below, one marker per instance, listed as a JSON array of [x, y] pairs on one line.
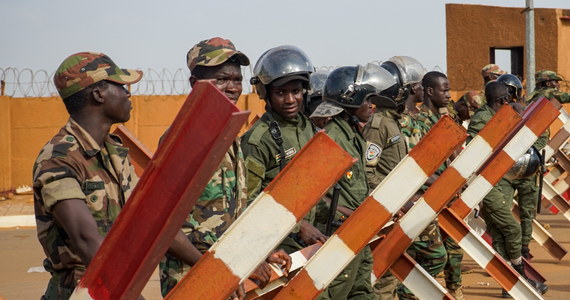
[[78, 222], [184, 250]]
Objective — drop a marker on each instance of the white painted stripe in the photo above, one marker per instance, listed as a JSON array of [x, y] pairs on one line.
[[400, 185], [242, 252], [567, 214], [561, 187], [548, 191], [470, 159], [520, 143], [563, 116], [80, 293], [522, 290], [18, 221], [477, 248], [423, 285], [329, 261], [476, 191], [298, 260], [417, 219], [373, 277]]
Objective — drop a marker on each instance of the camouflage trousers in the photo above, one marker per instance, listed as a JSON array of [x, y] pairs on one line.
[[527, 197], [452, 269], [62, 284], [501, 224], [386, 286], [171, 271], [428, 251]]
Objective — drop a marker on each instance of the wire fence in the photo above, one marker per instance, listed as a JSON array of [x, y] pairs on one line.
[[39, 83]]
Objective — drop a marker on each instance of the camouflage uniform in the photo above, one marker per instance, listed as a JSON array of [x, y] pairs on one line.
[[355, 280], [386, 148], [497, 204], [73, 166], [224, 197], [220, 204], [427, 249]]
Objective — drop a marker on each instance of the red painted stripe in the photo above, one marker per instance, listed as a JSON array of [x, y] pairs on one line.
[[321, 151], [389, 250], [300, 288], [548, 113], [443, 189], [219, 279], [506, 279], [505, 120], [162, 200], [443, 137], [460, 208], [403, 266], [359, 229], [495, 170]]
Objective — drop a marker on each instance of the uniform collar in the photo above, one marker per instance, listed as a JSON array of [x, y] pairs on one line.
[[86, 141]]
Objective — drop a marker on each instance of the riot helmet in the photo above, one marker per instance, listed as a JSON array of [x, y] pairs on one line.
[[525, 166], [406, 71], [280, 62], [315, 94], [351, 86], [514, 84]]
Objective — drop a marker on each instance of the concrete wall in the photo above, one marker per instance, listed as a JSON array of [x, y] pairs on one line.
[[26, 124], [473, 29]]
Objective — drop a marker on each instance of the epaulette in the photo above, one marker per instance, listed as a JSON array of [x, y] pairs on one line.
[[259, 129], [376, 120]]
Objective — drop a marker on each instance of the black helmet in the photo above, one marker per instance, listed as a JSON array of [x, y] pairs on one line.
[[351, 86], [280, 62], [514, 84], [406, 71], [526, 165], [315, 95]]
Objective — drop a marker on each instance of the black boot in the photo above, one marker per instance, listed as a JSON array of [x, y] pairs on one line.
[[525, 252], [538, 286]]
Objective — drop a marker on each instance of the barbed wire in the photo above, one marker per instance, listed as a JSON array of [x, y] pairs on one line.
[[39, 83]]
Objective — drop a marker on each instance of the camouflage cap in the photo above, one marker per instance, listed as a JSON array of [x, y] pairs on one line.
[[492, 69], [546, 75], [214, 52], [83, 69], [327, 109]]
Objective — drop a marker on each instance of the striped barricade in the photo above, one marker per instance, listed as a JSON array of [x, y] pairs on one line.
[[377, 209], [443, 190], [536, 119], [543, 237], [266, 221], [163, 197]]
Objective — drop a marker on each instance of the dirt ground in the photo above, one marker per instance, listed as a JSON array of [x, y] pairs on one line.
[[21, 254]]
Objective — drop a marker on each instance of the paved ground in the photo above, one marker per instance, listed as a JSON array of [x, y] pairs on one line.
[[20, 252]]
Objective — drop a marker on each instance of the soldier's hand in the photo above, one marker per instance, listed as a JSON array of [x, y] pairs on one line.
[[311, 235], [281, 259], [261, 275], [238, 294]]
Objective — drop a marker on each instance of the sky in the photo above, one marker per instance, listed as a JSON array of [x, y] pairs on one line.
[[150, 34]]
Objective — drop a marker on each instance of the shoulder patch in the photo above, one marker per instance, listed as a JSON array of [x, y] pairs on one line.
[[373, 152]]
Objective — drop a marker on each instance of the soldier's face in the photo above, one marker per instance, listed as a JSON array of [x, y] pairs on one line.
[[226, 77], [118, 106], [364, 112], [440, 95], [286, 99]]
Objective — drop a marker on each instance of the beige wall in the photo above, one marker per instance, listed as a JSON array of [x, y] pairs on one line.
[[473, 29], [26, 124]]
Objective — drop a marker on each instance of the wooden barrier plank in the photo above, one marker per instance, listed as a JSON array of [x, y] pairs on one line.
[[266, 221], [139, 154], [163, 197], [377, 209]]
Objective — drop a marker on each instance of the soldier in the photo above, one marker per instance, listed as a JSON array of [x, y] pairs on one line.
[[548, 85], [497, 204], [281, 79], [490, 73], [351, 89], [82, 176], [224, 198]]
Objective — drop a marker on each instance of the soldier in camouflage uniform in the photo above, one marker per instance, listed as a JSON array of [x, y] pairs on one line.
[[225, 196], [476, 99], [82, 176], [351, 88], [497, 204]]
